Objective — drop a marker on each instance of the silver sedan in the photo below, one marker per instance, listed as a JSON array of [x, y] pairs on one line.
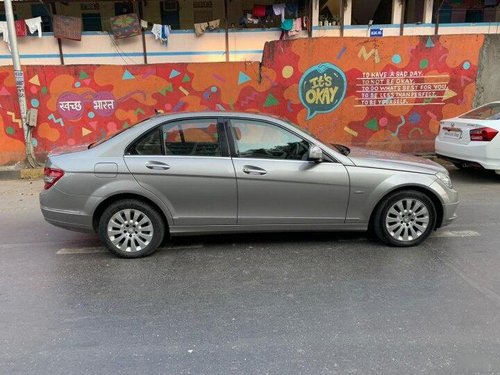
[[221, 172]]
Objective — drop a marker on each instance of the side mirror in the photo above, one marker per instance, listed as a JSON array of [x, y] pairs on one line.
[[315, 154]]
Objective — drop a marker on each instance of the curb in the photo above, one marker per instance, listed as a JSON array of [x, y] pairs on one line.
[[23, 174]]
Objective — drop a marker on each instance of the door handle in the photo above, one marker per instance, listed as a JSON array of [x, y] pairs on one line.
[[157, 165], [250, 169]]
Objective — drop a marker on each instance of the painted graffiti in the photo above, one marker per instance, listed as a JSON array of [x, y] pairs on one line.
[[322, 88], [380, 93]]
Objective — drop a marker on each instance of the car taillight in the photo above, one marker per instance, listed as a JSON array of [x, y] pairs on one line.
[[482, 134], [51, 176]]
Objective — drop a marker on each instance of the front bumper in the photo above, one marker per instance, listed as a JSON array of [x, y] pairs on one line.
[[449, 213], [449, 200]]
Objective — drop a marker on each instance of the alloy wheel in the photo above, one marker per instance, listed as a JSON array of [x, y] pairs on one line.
[[407, 219], [130, 230]]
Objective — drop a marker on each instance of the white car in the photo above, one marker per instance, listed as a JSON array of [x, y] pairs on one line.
[[472, 139]]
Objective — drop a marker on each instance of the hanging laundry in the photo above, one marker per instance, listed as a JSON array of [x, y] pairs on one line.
[[144, 24], [259, 11], [287, 24], [165, 33], [34, 25], [296, 28], [5, 31], [305, 22], [214, 25], [199, 28], [21, 28], [161, 32], [125, 26], [156, 31], [66, 27], [279, 10]]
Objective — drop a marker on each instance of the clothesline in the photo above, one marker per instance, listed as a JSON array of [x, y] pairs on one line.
[[34, 25], [128, 25]]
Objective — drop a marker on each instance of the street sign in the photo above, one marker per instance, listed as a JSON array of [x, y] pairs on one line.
[[376, 32]]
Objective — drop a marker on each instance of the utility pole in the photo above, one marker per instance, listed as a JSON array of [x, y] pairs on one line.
[[19, 77]]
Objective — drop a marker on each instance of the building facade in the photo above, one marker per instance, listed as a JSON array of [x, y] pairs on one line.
[[378, 74], [240, 36]]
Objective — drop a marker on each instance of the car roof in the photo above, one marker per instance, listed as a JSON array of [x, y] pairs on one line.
[[217, 114]]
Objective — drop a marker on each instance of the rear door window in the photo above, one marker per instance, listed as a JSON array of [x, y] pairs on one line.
[[197, 137]]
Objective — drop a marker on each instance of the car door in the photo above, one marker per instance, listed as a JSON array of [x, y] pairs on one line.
[[276, 182], [186, 163]]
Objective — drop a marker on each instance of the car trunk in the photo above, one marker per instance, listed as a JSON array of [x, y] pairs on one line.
[[457, 130]]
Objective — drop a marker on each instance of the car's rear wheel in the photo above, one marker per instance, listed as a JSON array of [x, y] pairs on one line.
[[131, 229], [405, 218]]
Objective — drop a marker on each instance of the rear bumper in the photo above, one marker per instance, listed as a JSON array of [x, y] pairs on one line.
[[484, 154], [71, 220], [66, 211]]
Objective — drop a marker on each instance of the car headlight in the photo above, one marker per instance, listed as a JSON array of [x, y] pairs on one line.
[[445, 179]]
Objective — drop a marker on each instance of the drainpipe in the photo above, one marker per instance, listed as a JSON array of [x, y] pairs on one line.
[[402, 24], [436, 29], [19, 76], [141, 16], [342, 21], [59, 43], [226, 30]]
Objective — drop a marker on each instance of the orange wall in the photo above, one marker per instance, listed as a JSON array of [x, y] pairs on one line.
[[386, 92]]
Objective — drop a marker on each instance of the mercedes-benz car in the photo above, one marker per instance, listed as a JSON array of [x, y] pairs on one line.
[[221, 172]]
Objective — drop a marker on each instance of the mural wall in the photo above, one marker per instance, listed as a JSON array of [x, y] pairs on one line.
[[381, 92]]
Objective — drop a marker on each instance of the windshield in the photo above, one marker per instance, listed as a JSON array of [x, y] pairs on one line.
[[489, 111], [109, 136]]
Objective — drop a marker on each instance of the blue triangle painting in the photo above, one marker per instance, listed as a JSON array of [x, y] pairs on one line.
[[242, 78], [429, 43], [127, 75], [174, 73]]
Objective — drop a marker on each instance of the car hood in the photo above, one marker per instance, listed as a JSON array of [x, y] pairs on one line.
[[363, 157]]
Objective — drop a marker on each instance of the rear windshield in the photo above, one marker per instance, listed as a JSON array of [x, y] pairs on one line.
[[109, 136], [486, 112]]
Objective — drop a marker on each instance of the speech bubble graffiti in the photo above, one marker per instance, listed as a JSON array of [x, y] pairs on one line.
[[322, 88]]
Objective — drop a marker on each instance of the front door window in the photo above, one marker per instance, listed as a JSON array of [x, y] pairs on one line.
[[260, 140]]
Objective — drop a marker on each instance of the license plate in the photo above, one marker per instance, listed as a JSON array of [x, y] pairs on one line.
[[455, 134]]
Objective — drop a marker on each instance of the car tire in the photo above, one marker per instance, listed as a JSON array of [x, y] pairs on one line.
[[131, 229], [404, 219]]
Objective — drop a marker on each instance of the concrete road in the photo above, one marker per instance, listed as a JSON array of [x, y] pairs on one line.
[[263, 304]]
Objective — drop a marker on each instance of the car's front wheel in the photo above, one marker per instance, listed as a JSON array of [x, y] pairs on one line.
[[131, 229], [405, 218]]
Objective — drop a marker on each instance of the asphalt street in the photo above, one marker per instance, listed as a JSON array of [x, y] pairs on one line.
[[252, 304]]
